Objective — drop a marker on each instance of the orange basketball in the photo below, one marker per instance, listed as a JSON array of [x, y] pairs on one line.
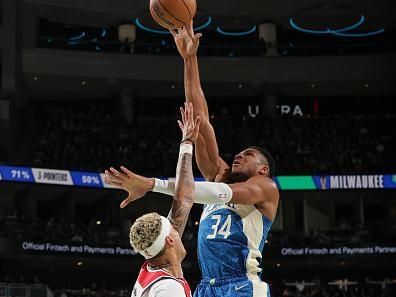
[[173, 14]]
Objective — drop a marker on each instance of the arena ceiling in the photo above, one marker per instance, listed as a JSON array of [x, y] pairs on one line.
[[230, 13]]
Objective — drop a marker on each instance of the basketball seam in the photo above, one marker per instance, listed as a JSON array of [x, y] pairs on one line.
[[187, 8], [158, 20], [169, 12]]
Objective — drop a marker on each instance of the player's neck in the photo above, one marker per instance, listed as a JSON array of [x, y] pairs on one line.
[[173, 268]]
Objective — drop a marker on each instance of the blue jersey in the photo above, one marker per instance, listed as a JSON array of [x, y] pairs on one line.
[[230, 240]]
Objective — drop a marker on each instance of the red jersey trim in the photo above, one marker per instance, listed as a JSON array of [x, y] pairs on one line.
[[146, 278]]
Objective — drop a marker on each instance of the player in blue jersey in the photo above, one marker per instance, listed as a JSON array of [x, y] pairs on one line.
[[231, 235], [240, 201]]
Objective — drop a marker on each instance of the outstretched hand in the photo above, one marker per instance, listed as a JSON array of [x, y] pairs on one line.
[[189, 126], [136, 185], [187, 42]]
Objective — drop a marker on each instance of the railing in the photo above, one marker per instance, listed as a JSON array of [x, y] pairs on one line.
[[24, 290], [3, 290]]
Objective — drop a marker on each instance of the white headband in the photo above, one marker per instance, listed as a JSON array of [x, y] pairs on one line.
[[159, 243]]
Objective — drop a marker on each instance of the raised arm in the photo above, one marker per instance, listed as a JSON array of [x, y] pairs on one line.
[[183, 198], [183, 190], [259, 190], [207, 153]]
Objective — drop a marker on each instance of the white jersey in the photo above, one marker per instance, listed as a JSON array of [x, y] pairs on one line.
[[162, 288], [159, 283]]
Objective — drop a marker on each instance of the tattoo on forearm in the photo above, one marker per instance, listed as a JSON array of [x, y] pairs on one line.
[[178, 216], [183, 199]]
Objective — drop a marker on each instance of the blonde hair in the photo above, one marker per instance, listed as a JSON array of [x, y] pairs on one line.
[[145, 230]]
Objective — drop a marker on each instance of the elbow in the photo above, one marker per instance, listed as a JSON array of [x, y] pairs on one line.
[[210, 177]]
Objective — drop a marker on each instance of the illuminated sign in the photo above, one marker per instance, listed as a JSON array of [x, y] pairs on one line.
[[338, 251], [285, 183]]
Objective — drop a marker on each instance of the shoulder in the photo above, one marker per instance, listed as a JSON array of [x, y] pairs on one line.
[[166, 287], [266, 190], [265, 183], [149, 276], [269, 196]]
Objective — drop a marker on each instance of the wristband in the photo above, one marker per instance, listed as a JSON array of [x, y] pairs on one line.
[[186, 148], [187, 139], [162, 186]]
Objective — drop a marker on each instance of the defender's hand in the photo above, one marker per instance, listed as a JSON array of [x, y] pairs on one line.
[[188, 126], [186, 42], [136, 185]]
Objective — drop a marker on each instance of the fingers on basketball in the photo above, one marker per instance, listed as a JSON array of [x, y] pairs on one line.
[[173, 14]]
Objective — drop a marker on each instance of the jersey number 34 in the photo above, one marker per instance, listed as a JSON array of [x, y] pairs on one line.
[[224, 230]]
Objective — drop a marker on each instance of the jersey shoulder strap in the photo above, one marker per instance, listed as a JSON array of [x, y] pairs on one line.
[[147, 277]]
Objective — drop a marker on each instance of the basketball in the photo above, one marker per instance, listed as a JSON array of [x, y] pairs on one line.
[[173, 14]]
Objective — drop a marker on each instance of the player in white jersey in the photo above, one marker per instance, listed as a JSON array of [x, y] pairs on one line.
[[157, 238], [161, 275]]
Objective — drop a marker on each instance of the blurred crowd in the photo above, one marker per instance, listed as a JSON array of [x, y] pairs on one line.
[[104, 233], [18, 228], [95, 139], [333, 145], [317, 288], [336, 288], [92, 138], [60, 231], [324, 287], [96, 232]]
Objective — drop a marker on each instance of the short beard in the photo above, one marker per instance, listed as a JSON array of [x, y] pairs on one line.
[[237, 178]]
